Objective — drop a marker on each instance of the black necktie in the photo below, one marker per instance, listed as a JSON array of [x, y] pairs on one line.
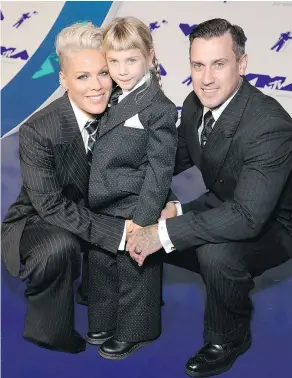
[[115, 96], [207, 129], [92, 129]]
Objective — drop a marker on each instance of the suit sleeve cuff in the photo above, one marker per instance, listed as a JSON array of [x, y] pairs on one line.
[[123, 241], [164, 237]]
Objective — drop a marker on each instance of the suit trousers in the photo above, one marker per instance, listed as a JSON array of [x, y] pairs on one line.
[[51, 262], [228, 270], [124, 296]]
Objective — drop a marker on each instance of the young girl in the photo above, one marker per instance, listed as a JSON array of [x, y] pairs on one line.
[[130, 178]]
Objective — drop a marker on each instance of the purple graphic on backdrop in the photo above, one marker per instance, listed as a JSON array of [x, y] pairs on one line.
[[162, 70], [187, 81], [283, 39], [49, 66], [155, 25], [187, 29], [11, 53], [1, 15], [23, 17], [268, 82]]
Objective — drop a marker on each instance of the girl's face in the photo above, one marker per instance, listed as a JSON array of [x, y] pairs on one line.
[[128, 67]]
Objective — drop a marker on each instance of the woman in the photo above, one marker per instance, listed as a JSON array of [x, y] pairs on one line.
[[45, 228]]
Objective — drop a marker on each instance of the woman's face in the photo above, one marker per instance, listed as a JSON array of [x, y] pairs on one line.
[[86, 78]]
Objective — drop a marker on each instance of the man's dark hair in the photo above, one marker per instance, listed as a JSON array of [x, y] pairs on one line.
[[218, 27]]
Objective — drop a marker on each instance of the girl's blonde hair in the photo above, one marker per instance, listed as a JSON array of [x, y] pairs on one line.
[[125, 33], [77, 37]]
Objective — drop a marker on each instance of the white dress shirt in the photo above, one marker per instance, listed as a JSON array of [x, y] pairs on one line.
[[82, 119], [162, 229]]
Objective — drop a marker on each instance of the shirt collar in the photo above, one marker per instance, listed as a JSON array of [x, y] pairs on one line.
[[81, 117], [139, 84]]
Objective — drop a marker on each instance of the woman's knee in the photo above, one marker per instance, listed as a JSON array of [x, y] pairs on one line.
[[58, 251]]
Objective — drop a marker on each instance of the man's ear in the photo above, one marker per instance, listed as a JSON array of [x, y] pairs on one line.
[[242, 64]]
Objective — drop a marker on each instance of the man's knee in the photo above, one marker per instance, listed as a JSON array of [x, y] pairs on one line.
[[219, 257]]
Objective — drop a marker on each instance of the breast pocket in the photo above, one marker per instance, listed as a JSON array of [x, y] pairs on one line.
[[134, 122]]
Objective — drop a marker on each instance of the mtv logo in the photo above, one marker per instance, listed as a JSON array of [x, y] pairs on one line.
[[10, 53], [268, 82]]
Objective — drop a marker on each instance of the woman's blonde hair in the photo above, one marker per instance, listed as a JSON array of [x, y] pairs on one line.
[[125, 33], [77, 37]]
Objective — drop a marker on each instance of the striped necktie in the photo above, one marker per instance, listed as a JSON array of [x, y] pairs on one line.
[[92, 129]]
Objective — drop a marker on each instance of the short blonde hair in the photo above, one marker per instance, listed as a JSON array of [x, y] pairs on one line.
[[77, 37], [125, 33]]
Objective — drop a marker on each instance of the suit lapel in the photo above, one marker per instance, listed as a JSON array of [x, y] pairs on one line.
[[219, 142], [193, 143], [132, 104], [72, 148]]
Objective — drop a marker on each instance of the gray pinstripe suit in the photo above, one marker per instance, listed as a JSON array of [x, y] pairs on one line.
[[130, 178], [45, 226], [243, 224]]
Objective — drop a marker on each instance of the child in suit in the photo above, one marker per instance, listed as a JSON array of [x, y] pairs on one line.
[[131, 173]]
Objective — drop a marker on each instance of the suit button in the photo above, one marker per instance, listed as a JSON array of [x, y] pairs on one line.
[[221, 181]]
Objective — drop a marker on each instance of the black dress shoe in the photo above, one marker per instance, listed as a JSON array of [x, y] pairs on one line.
[[214, 359], [97, 338], [117, 350]]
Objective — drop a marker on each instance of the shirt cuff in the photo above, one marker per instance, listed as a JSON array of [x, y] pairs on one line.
[[164, 237], [178, 208], [123, 241]]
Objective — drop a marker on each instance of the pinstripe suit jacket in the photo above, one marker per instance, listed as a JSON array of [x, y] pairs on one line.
[[55, 175], [246, 165], [132, 168]]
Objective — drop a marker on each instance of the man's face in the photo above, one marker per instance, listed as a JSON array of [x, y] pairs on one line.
[[215, 71], [85, 75]]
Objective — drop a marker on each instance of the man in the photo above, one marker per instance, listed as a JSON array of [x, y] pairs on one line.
[[241, 140], [49, 224]]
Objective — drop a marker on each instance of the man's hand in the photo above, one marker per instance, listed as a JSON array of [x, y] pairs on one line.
[[169, 211], [131, 228], [144, 242]]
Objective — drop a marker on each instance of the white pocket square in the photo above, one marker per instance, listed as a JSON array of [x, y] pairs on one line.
[[134, 122]]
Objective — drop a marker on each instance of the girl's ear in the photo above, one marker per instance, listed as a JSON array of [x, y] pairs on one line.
[[151, 58]]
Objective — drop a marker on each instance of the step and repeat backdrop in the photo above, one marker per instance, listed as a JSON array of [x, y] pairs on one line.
[[29, 73]]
